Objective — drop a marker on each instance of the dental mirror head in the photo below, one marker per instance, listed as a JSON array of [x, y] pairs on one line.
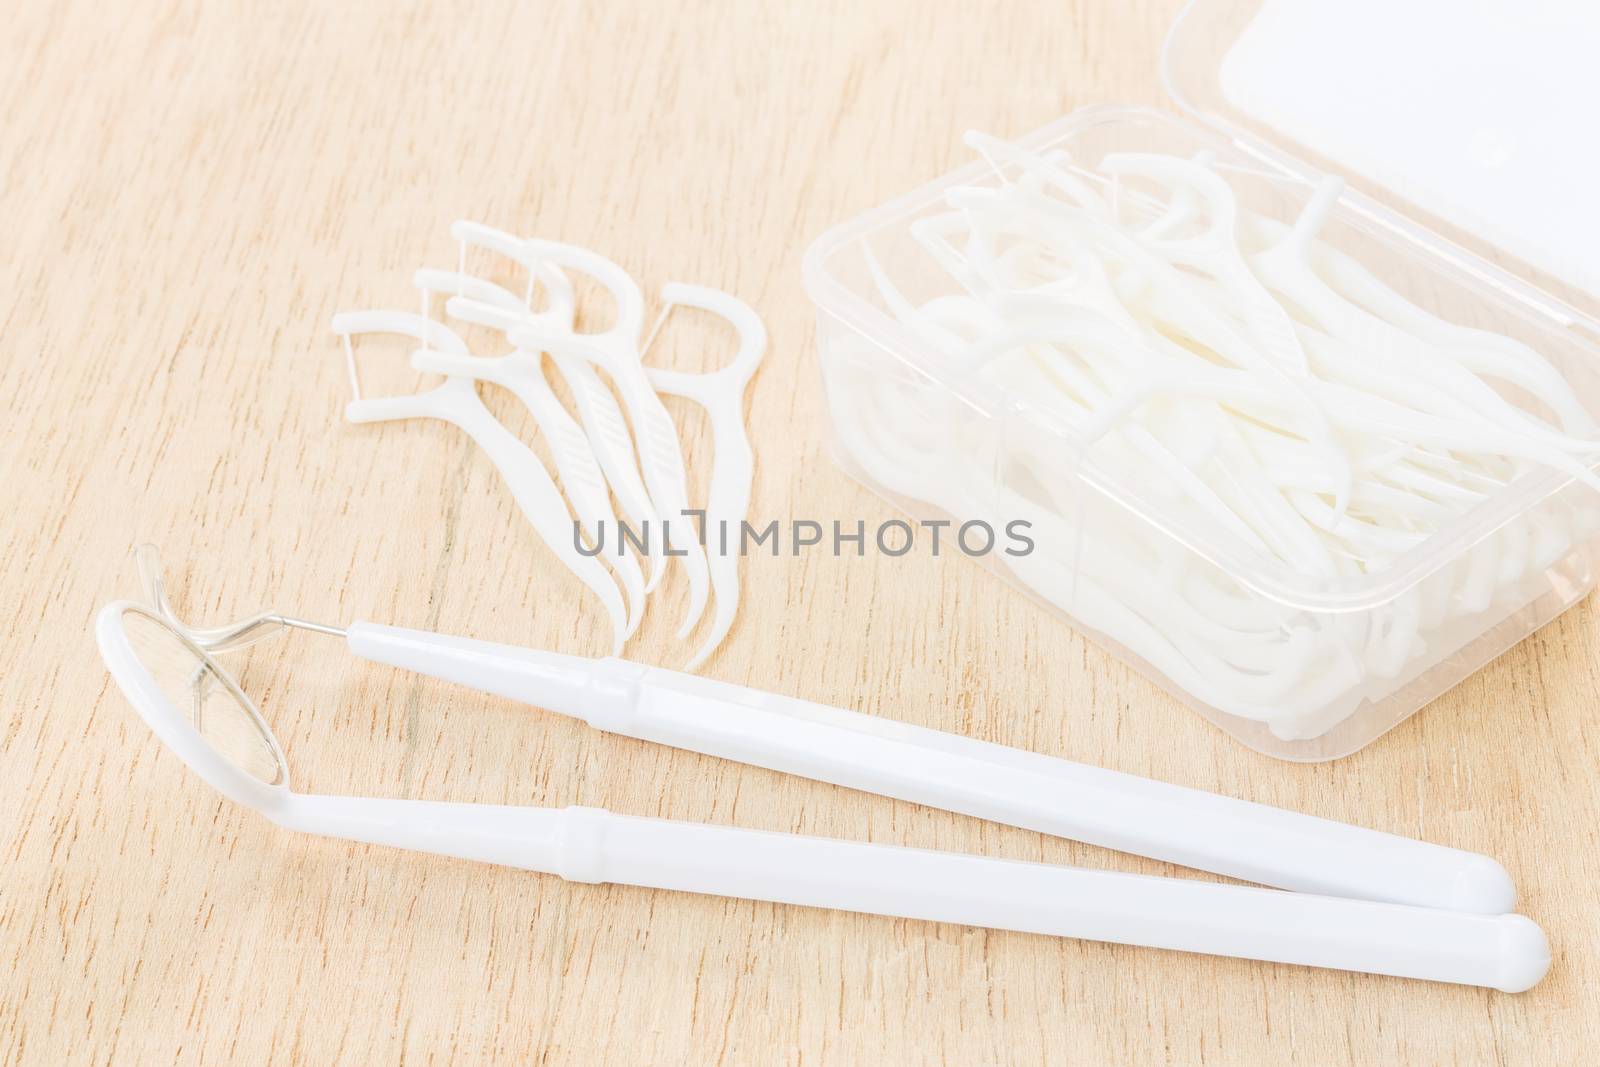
[[193, 705]]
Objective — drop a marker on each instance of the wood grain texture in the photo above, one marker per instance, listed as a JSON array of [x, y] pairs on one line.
[[189, 192]]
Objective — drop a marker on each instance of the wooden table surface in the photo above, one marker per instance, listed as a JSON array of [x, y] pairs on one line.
[[188, 194]]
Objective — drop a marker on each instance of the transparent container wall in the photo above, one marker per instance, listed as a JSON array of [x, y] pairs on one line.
[[1296, 666]]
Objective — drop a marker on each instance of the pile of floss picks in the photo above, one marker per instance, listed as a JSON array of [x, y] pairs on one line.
[[1236, 372], [622, 445]]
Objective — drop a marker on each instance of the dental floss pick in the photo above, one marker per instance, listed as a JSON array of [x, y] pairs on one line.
[[596, 458], [522, 374], [457, 402], [616, 351], [721, 393], [1378, 475], [598, 410]]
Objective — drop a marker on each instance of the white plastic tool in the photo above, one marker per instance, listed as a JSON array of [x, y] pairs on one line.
[[616, 351], [721, 393], [602, 417], [457, 402], [522, 373], [1202, 830], [199, 712]]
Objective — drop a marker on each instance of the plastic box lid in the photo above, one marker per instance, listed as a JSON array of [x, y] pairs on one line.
[[1472, 121]]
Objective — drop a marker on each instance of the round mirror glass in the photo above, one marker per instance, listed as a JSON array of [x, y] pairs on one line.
[[205, 697]]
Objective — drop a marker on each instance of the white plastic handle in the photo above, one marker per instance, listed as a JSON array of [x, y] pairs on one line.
[[1202, 830], [1506, 952]]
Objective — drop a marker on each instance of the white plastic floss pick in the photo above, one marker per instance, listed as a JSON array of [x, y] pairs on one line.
[[602, 417], [616, 351], [457, 402], [594, 455], [1233, 367], [721, 394], [522, 374]]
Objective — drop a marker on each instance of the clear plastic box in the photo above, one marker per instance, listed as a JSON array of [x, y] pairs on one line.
[[1451, 604]]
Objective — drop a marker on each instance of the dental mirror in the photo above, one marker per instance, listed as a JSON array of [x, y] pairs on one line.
[[200, 713], [193, 705]]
